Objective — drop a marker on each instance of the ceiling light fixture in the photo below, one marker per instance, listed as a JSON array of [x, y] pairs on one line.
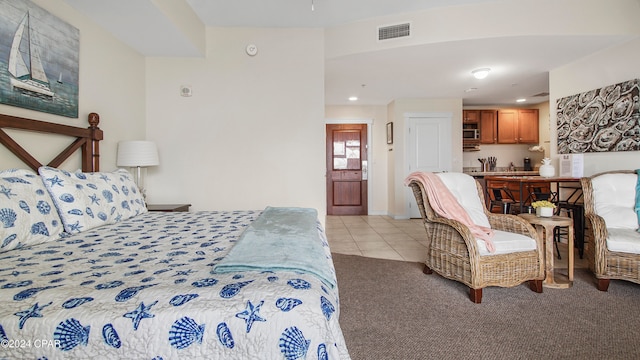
[[521, 100], [353, 98], [480, 73]]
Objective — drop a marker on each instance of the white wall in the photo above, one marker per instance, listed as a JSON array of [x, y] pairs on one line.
[[252, 134], [378, 163], [608, 67], [487, 20], [112, 83]]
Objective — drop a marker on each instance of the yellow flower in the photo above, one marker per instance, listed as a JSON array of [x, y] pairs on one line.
[[543, 203]]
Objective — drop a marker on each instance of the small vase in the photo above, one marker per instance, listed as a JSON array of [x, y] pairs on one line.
[[546, 169], [544, 211]]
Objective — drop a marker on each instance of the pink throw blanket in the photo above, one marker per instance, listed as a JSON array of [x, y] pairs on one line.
[[445, 204]]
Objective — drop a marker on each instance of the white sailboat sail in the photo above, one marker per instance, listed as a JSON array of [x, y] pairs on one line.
[[25, 64], [37, 70], [17, 66]]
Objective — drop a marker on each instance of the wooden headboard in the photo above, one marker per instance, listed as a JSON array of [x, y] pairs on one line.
[[86, 139]]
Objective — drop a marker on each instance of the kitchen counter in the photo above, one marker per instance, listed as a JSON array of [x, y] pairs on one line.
[[502, 173]]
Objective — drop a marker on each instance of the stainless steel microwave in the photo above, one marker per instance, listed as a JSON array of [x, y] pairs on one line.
[[470, 134]]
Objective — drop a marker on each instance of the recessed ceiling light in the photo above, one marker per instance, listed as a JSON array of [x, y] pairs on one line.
[[353, 98], [481, 73], [521, 100]]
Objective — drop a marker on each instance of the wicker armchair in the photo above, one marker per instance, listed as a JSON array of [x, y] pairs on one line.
[[453, 252], [605, 263]]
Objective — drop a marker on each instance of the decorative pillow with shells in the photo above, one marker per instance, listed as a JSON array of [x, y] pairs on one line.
[[27, 213], [88, 200]]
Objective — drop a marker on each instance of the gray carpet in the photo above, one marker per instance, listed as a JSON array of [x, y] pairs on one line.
[[391, 310]]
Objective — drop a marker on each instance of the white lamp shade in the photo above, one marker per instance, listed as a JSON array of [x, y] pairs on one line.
[[137, 153]]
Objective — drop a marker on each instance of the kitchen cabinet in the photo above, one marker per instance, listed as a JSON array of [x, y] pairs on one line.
[[504, 126], [528, 124], [507, 126], [470, 116], [488, 127], [517, 126], [470, 130]]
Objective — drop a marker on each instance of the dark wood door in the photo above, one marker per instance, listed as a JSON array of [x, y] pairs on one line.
[[346, 169]]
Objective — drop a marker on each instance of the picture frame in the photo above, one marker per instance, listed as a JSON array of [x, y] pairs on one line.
[[600, 120], [390, 133], [39, 57]]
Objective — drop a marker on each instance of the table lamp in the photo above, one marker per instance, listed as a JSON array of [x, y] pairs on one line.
[[137, 154]]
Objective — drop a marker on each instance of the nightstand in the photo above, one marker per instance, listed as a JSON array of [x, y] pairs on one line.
[[168, 207]]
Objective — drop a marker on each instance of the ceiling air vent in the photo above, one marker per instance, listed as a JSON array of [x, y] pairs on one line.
[[541, 94], [394, 31]]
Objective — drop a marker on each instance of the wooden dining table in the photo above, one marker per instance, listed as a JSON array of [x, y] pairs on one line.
[[523, 181], [575, 192]]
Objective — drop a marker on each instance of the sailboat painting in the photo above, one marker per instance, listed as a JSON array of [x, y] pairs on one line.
[[38, 59], [25, 64]]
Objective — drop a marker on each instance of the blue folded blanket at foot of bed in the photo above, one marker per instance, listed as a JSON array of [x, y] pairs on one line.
[[281, 239]]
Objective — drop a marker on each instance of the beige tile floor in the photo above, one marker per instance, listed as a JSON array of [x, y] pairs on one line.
[[386, 238], [377, 236]]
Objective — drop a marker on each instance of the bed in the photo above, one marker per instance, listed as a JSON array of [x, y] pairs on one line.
[[87, 272]]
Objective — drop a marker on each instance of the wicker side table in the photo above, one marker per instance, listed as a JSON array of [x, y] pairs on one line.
[[544, 227]]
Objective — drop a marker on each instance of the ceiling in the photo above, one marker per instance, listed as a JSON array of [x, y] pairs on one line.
[[520, 65]]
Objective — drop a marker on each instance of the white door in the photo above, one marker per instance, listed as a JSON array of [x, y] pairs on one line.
[[429, 148]]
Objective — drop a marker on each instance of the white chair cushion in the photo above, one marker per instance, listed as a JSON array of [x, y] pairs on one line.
[[623, 240], [463, 188], [507, 243], [614, 199]]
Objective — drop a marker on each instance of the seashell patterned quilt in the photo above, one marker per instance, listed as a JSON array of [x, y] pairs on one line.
[[143, 288]]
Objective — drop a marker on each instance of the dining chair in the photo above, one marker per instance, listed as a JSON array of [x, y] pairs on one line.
[[502, 198]]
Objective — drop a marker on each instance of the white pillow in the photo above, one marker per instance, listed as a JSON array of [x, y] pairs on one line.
[[88, 200], [614, 199], [27, 213], [463, 187]]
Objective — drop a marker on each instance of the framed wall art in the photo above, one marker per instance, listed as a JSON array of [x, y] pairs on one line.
[[38, 59], [601, 120], [389, 133]]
